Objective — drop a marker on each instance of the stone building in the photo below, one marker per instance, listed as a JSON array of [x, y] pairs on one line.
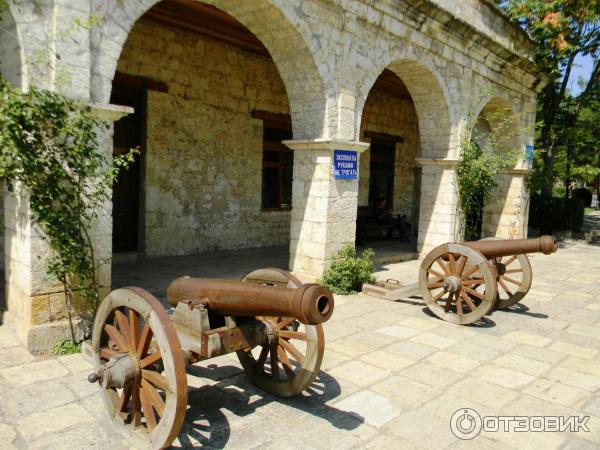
[[238, 107]]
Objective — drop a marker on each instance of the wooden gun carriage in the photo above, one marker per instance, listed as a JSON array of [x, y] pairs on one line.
[[461, 282], [140, 353]]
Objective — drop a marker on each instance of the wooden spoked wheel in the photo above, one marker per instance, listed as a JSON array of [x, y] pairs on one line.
[[514, 278], [457, 283], [140, 367], [290, 362]]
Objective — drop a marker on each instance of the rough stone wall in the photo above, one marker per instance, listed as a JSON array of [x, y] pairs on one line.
[[505, 212], [438, 209], [10, 50], [393, 115], [204, 149], [10, 69]]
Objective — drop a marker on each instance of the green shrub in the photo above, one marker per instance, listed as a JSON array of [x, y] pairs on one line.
[[65, 347], [585, 195], [349, 271], [555, 214]]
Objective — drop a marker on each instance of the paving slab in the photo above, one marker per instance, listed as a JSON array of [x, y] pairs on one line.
[[392, 375]]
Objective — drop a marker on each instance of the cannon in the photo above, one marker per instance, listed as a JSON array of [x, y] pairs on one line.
[[140, 353], [462, 282]]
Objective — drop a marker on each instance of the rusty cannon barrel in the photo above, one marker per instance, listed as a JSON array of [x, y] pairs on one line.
[[498, 248], [311, 304]]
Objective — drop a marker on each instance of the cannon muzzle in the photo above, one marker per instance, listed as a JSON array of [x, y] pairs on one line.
[[497, 248], [311, 304]]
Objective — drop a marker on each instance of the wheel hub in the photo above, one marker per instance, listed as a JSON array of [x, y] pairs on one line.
[[118, 372], [452, 284], [500, 268]]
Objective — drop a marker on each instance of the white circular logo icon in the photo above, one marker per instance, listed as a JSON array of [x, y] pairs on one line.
[[465, 423]]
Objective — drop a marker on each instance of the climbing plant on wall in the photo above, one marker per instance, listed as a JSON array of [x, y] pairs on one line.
[[479, 165], [49, 155]]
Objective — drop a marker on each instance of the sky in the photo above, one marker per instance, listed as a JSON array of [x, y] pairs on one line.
[[582, 68]]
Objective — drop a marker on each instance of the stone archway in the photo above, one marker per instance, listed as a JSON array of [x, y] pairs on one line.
[[505, 212], [434, 197], [430, 96], [12, 59], [212, 108], [292, 53], [12, 70], [387, 170]]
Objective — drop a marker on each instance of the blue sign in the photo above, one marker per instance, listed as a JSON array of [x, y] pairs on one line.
[[345, 164], [528, 152]]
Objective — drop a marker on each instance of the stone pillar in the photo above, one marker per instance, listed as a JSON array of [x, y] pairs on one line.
[[323, 207], [438, 213], [506, 211], [36, 305]]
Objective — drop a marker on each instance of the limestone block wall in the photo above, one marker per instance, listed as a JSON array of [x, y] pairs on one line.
[[204, 149], [385, 113], [438, 210], [10, 50], [505, 213], [324, 212]]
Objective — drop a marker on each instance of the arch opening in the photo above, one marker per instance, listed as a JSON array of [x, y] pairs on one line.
[[496, 130], [12, 70], [407, 102], [11, 51], [267, 22], [211, 112]]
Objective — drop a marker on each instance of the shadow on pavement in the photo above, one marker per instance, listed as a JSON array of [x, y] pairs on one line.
[[484, 322], [206, 425], [523, 310]]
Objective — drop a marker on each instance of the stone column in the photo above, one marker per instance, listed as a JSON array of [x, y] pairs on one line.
[[323, 206], [36, 305], [506, 211], [438, 213]]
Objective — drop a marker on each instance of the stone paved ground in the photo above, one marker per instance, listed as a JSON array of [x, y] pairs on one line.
[[392, 377]]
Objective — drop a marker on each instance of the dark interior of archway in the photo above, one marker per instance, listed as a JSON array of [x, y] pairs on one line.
[[391, 84], [204, 19]]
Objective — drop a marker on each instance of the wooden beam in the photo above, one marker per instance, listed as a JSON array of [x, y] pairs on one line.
[[391, 84], [137, 82], [205, 20], [383, 136], [273, 120]]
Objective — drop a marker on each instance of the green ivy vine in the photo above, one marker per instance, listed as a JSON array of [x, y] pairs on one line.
[[478, 168], [49, 154]]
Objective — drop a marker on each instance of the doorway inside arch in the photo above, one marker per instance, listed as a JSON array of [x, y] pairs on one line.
[[211, 114], [389, 186]]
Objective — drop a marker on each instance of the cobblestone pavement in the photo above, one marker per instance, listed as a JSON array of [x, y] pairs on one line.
[[392, 377]]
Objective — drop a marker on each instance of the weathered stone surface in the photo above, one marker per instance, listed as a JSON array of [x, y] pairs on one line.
[[36, 397], [36, 371], [430, 429], [86, 436], [14, 356], [7, 435], [53, 420], [76, 363], [502, 377], [359, 373], [375, 409], [556, 392]]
